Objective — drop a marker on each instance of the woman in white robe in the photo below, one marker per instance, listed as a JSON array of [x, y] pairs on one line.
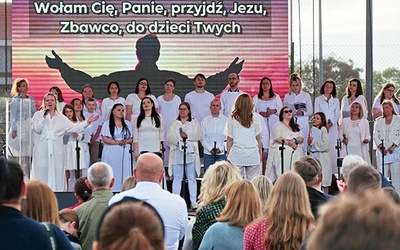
[[48, 153], [117, 137], [288, 132], [354, 133], [318, 142]]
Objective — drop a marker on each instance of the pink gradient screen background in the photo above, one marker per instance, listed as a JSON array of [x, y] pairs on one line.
[[263, 45]]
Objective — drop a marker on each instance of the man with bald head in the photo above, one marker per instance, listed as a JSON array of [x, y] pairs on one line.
[[171, 207]]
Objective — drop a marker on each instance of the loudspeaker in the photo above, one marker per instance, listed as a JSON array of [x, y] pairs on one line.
[[65, 199]]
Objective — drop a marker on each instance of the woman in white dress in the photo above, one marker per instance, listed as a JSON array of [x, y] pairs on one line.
[[169, 110], [184, 129], [386, 93], [328, 104], [354, 133], [48, 153], [354, 93], [113, 89], [117, 136], [133, 100], [243, 144], [286, 132], [20, 138], [318, 142], [71, 141], [300, 103], [387, 130], [148, 134], [268, 105], [60, 98]]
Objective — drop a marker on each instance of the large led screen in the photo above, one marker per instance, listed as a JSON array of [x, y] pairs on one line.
[[72, 43]]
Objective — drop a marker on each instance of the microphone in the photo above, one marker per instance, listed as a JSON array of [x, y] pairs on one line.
[[45, 112], [180, 131], [344, 136]]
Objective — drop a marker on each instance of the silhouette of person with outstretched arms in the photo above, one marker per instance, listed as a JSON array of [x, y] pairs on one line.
[[147, 53]]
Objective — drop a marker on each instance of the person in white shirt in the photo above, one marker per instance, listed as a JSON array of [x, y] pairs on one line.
[[113, 89], [386, 93], [328, 103], [87, 92], [213, 135], [171, 207], [94, 145], [228, 97], [354, 93], [199, 98], [301, 104]]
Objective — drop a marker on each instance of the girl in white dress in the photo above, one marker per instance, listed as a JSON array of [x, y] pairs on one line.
[[328, 104], [133, 100], [117, 136], [354, 133], [70, 157], [113, 89], [300, 103], [148, 134], [169, 110], [48, 153], [318, 142], [386, 93], [354, 92], [268, 105], [78, 108], [288, 132]]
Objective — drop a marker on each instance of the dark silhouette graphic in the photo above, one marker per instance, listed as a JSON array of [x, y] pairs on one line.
[[147, 53]]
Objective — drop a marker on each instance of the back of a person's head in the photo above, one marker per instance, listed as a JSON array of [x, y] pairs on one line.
[[128, 183], [263, 186], [67, 215], [130, 224], [308, 168], [11, 181], [81, 189], [215, 180], [242, 204], [287, 205], [363, 222], [392, 193], [100, 174], [363, 178], [149, 167], [350, 162], [41, 203]]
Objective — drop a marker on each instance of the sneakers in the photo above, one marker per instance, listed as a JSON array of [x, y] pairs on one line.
[[194, 206]]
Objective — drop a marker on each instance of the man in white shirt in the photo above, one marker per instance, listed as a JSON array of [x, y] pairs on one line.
[[228, 97], [199, 98], [171, 207], [213, 135]]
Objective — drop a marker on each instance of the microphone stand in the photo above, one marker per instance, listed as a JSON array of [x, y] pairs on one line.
[[184, 168], [131, 156], [383, 157], [162, 157], [78, 156], [215, 151], [282, 148], [338, 147]]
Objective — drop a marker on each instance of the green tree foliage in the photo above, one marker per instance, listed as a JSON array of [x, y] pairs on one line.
[[340, 71]]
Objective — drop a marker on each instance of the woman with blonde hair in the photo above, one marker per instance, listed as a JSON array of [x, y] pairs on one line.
[[287, 217], [263, 186], [212, 199], [22, 109], [48, 155], [243, 206], [243, 137], [387, 93]]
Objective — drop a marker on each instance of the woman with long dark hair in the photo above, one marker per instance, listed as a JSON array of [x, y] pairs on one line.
[[60, 98], [116, 135], [184, 131], [288, 132], [149, 129], [133, 100], [354, 93]]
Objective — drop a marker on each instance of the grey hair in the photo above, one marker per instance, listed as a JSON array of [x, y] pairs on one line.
[[350, 162], [100, 174]]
